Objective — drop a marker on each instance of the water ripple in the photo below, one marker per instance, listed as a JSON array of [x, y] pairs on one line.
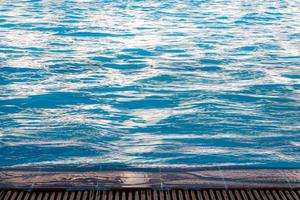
[[150, 83]]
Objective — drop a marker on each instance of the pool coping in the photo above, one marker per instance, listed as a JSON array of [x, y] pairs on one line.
[[80, 178]]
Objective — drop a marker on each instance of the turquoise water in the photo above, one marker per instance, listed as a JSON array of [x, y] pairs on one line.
[[150, 83]]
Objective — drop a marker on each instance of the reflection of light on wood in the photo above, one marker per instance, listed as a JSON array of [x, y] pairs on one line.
[[163, 178]]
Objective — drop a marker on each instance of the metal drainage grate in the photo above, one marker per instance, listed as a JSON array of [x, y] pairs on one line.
[[204, 194]]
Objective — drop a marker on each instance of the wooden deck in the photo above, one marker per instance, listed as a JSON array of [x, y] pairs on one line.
[[149, 194], [194, 178], [44, 183]]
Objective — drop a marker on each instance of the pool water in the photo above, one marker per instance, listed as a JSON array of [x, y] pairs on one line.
[[150, 83]]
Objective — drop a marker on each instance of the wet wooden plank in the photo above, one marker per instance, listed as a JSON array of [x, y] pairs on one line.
[[65, 197], [155, 195], [193, 195], [51, 196], [263, 195], [238, 195], [14, 195], [231, 195], [117, 195], [244, 195], [33, 196], [149, 194], [269, 195], [46, 196], [85, 195], [161, 195], [110, 195], [23, 178], [257, 195], [72, 196], [59, 196], [212, 194], [219, 195], [180, 195], [95, 195], [294, 194], [130, 195], [20, 196], [27, 195], [7, 195], [276, 195], [123, 196], [200, 195], [282, 196], [39, 196], [225, 195], [143, 195], [168, 195], [174, 195], [136, 195], [104, 195], [78, 195], [250, 194]]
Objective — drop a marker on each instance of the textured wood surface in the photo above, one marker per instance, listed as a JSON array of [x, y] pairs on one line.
[[148, 194], [191, 179]]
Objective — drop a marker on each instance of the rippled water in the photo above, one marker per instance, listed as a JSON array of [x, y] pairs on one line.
[[150, 83]]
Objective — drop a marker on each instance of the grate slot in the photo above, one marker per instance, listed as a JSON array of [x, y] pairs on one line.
[[219, 195], [269, 195], [205, 195], [288, 195], [149, 194], [231, 195], [282, 196], [294, 195], [168, 195], [225, 195]]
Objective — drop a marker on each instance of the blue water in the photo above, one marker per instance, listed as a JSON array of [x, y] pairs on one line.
[[150, 83]]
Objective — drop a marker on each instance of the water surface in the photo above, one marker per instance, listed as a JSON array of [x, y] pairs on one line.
[[150, 83]]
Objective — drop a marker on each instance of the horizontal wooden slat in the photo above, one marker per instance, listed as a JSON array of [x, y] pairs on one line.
[[80, 179]]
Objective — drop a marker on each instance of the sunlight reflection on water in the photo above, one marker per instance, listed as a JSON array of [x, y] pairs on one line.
[[150, 83]]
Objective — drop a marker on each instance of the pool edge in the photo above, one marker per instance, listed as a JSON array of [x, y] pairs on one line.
[[41, 178]]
